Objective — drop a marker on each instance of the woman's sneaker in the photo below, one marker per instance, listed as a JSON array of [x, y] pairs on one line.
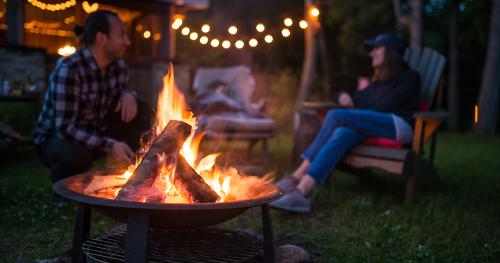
[[287, 183], [293, 201]]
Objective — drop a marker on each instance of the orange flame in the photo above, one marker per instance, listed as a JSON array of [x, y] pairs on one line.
[[229, 184]]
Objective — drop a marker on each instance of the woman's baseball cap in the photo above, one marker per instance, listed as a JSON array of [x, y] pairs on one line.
[[389, 40]]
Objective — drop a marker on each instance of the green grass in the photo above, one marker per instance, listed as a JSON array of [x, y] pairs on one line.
[[355, 218]]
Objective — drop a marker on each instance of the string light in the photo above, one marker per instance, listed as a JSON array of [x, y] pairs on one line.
[[288, 21], [147, 34], [268, 38], [66, 50], [138, 28], [157, 36], [239, 44], [177, 23], [253, 42], [314, 11], [303, 24], [52, 7], [203, 40], [226, 44], [260, 27], [193, 36], [285, 32], [185, 31], [232, 30], [205, 28], [69, 20], [215, 42]]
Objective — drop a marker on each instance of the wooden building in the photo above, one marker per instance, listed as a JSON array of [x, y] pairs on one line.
[[48, 25]]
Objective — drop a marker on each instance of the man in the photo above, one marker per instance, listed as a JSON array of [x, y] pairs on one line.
[[88, 110]]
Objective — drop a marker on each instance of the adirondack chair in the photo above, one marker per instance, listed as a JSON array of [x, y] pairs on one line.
[[405, 160], [229, 127]]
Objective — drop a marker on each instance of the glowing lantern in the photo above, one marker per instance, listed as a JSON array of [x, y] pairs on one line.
[[215, 42], [66, 50], [303, 24], [285, 32], [226, 44], [185, 31], [205, 28], [260, 27], [232, 30], [193, 36], [204, 40], [268, 38], [239, 44]]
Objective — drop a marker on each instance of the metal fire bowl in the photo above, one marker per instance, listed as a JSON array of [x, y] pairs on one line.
[[164, 215]]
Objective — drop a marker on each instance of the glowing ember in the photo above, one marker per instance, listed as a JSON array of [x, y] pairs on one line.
[[228, 183]]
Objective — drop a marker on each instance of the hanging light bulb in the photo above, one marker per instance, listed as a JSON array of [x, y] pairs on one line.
[[239, 44], [232, 30], [253, 42], [226, 44], [193, 36], [205, 28], [303, 24], [185, 31], [268, 38], [147, 34], [157, 36], [138, 28], [314, 11], [204, 40], [215, 42], [288, 21], [177, 23], [260, 27], [285, 32]]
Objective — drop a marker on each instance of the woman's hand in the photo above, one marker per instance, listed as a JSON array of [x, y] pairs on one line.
[[121, 151], [346, 100], [128, 106]]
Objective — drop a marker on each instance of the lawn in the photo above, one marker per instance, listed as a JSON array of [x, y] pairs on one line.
[[355, 218]]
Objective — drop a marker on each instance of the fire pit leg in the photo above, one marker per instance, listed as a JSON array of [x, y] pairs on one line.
[[82, 230], [136, 240], [267, 231]]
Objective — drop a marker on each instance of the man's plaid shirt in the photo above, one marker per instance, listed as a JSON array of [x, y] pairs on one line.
[[79, 98]]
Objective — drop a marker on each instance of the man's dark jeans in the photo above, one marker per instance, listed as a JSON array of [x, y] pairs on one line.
[[68, 157]]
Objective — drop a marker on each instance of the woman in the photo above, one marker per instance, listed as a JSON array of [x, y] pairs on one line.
[[383, 109]]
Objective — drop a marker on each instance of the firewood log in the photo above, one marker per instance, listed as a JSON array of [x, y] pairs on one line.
[[163, 149], [191, 185]]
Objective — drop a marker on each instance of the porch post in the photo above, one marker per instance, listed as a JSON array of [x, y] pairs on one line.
[[15, 22], [167, 42]]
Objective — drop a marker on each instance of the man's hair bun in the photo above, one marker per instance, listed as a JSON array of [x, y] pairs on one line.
[[78, 30]]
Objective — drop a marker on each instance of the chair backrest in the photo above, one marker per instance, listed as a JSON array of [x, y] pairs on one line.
[[241, 84], [430, 64]]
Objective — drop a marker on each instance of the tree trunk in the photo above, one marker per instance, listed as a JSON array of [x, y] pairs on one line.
[[413, 21], [309, 57], [453, 98], [490, 85]]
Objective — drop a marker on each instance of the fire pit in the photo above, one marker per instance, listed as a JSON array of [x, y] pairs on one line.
[[142, 217], [170, 189]]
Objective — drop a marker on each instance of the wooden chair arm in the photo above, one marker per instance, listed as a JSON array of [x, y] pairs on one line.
[[426, 124], [433, 115]]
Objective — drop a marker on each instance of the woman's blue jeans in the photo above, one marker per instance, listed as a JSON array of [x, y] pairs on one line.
[[341, 130]]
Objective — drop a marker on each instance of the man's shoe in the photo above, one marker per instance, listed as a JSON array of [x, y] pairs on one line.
[[293, 201], [287, 184]]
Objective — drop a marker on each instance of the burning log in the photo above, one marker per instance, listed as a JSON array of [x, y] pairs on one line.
[[164, 152], [167, 144], [191, 185]]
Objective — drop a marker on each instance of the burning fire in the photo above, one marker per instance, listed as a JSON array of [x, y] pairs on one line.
[[228, 183]]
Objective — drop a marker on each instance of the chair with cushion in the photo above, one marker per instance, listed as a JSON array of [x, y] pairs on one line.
[[229, 127], [407, 161]]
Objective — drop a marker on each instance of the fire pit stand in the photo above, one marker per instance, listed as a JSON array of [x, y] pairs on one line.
[[142, 218], [138, 232]]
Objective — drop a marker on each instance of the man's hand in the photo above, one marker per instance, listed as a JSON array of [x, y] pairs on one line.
[[128, 106], [121, 151], [346, 100]]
